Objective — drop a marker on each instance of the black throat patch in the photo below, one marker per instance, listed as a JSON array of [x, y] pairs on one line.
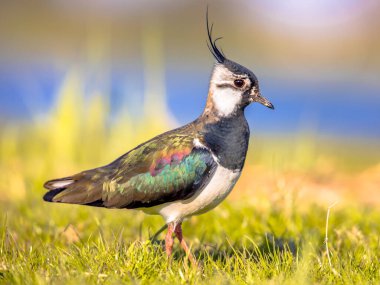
[[228, 139]]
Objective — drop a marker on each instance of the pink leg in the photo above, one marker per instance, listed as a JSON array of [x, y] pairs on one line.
[[178, 233], [169, 241]]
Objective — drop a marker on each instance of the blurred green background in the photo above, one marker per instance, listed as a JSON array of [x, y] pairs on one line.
[[81, 82]]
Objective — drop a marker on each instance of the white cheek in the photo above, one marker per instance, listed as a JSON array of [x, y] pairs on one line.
[[226, 101]]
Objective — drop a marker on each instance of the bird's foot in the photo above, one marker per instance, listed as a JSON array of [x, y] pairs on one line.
[[169, 241]]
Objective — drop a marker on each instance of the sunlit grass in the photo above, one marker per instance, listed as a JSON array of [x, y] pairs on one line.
[[232, 244], [271, 229]]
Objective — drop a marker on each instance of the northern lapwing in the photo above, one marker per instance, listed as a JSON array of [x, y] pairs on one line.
[[183, 172]]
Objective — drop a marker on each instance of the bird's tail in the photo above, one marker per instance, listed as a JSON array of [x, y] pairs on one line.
[[84, 188]]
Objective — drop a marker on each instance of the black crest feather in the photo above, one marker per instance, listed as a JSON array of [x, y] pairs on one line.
[[219, 56]]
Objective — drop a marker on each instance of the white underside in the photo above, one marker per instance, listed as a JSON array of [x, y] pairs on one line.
[[206, 199]]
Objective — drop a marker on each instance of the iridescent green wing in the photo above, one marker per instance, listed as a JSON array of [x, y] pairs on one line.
[[163, 175], [164, 169]]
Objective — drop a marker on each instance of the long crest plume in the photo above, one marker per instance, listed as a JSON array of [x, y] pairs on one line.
[[211, 44]]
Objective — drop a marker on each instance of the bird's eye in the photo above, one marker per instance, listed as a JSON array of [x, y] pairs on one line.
[[239, 83]]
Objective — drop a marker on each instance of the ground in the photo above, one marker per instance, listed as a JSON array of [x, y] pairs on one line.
[[236, 243]]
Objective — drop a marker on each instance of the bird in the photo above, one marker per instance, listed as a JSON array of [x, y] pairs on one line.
[[184, 172]]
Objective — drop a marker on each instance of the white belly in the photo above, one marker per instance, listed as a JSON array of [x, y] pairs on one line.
[[215, 192]]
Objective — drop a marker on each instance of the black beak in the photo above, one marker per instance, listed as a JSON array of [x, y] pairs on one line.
[[262, 100]]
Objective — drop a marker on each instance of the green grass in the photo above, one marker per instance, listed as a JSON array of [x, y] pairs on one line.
[[62, 244]]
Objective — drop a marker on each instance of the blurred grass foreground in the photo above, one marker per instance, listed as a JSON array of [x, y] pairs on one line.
[[270, 228]]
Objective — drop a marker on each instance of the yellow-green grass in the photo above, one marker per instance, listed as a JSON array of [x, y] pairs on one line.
[[60, 244], [271, 230]]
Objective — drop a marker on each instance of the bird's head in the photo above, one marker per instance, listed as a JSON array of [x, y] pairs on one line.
[[232, 86]]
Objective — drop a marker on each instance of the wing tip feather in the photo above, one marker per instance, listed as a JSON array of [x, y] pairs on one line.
[[55, 187]]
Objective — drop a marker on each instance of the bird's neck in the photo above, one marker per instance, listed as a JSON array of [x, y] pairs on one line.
[[227, 137]]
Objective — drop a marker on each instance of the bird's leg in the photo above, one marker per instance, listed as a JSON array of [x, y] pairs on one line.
[[178, 233], [169, 241]]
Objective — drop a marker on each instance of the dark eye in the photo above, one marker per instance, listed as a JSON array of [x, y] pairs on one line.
[[239, 83]]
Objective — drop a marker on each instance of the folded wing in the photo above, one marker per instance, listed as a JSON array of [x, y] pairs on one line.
[[159, 171]]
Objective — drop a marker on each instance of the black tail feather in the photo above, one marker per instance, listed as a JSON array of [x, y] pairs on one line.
[[48, 197]]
